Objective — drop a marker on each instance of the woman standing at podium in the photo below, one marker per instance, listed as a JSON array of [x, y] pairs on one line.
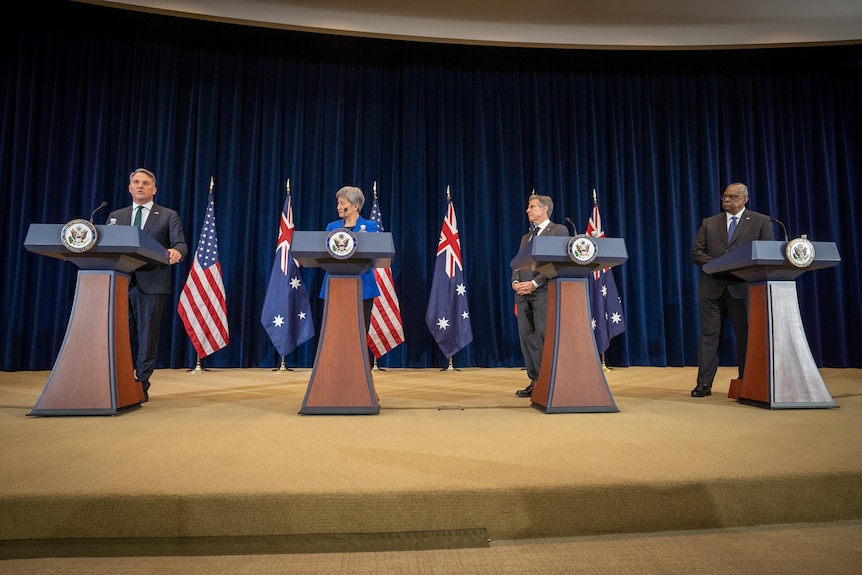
[[350, 202]]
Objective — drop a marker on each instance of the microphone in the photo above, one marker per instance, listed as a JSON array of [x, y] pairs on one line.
[[574, 228], [102, 205], [782, 227]]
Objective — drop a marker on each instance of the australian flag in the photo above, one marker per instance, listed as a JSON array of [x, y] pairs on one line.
[[448, 315], [286, 314], [605, 303]]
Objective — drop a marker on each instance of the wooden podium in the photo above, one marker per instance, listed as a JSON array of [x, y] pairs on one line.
[[341, 382], [780, 372], [93, 373], [571, 379]]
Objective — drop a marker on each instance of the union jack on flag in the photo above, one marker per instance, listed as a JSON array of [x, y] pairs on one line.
[[606, 305], [448, 314]]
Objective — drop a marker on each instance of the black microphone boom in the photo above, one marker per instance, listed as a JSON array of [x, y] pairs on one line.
[[102, 205], [574, 228], [782, 227]]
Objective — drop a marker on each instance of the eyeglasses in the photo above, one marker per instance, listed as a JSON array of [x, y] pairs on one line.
[[733, 197]]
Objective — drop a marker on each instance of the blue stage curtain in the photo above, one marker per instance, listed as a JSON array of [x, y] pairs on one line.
[[657, 134]]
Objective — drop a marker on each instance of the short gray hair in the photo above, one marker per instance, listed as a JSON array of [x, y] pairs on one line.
[[351, 194], [544, 201], [143, 171], [743, 189]]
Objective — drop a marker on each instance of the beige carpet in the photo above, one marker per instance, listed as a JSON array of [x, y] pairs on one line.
[[225, 454]]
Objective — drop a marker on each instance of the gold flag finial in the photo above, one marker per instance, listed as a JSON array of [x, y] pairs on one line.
[[374, 188], [211, 184], [448, 195], [595, 201], [287, 185], [534, 192]]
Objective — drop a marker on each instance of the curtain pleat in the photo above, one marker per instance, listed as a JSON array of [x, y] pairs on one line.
[[657, 135]]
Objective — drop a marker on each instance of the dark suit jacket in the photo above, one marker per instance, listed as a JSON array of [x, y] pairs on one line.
[[711, 242], [165, 227], [551, 230]]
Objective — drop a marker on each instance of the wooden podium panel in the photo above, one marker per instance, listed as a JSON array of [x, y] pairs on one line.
[[341, 382], [93, 374], [571, 379]]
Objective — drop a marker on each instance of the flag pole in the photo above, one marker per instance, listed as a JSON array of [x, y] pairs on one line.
[[604, 365], [450, 367], [198, 369], [283, 368], [374, 367]]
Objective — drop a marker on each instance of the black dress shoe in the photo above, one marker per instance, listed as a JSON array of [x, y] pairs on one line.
[[526, 392], [701, 391]]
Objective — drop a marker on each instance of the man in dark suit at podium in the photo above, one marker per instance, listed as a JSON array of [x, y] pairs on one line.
[[149, 286], [723, 295], [531, 291]]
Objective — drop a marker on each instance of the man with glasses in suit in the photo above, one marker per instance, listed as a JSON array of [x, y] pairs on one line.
[[722, 295]]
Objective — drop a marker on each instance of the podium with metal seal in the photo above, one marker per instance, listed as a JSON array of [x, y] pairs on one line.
[[341, 381], [93, 373], [571, 378], [780, 372]]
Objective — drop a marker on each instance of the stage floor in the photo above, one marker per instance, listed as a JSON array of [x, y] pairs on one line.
[[213, 453]]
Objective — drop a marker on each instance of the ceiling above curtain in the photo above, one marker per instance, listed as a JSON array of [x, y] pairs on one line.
[[631, 24]]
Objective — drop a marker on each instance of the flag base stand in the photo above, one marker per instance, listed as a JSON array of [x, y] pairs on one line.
[[450, 367], [282, 368], [605, 367], [197, 369]]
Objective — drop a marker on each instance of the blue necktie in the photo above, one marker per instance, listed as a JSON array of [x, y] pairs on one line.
[[138, 211], [731, 227]]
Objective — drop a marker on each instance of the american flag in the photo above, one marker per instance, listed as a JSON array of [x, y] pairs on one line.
[[448, 315], [606, 306], [286, 313], [386, 331], [202, 304]]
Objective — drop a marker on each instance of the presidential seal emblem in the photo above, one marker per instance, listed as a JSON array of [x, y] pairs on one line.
[[341, 243], [582, 249], [799, 252], [78, 235]]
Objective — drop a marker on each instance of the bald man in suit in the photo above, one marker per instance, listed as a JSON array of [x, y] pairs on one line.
[[531, 291], [149, 286], [723, 295]]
